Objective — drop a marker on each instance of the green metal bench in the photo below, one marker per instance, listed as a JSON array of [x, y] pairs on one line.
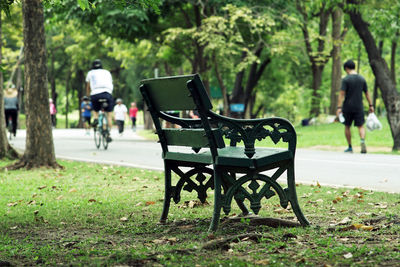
[[234, 172]]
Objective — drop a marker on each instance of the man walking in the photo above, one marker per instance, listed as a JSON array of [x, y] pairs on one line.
[[353, 85], [120, 114]]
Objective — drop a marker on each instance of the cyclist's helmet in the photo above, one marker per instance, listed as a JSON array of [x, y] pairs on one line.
[[85, 98], [119, 100], [97, 64]]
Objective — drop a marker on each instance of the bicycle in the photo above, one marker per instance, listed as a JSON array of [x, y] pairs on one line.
[[102, 131]]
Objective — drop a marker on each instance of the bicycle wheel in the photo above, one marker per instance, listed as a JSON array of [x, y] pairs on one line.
[[106, 133], [97, 137], [105, 142]]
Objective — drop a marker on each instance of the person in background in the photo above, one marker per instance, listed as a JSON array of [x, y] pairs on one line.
[[120, 114], [132, 115], [350, 104], [53, 113], [11, 108], [86, 109]]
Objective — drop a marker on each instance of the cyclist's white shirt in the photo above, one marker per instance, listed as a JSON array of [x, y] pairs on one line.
[[100, 81], [119, 112]]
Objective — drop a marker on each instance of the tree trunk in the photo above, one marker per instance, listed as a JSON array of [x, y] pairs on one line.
[[390, 95], [224, 91], [147, 120], [375, 95], [79, 86], [318, 59], [5, 149], [316, 84], [39, 150], [393, 61], [3, 133], [67, 87], [336, 62]]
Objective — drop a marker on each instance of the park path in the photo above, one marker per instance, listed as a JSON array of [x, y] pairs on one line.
[[368, 171]]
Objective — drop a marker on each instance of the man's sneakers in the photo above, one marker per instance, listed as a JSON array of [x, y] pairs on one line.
[[349, 150], [95, 122], [363, 148], [107, 135]]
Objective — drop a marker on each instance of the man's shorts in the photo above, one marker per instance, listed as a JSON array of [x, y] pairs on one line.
[[86, 119], [97, 104], [357, 117]]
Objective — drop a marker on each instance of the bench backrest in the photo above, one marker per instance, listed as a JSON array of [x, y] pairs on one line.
[[172, 94]]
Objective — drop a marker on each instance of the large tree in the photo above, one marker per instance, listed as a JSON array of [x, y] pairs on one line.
[[39, 150], [390, 95], [5, 149]]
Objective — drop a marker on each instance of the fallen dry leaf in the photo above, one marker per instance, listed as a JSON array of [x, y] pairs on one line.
[[381, 205], [72, 190], [345, 220], [12, 204], [348, 255], [92, 200], [281, 210], [366, 228], [123, 219], [262, 262], [42, 187], [59, 197], [148, 203]]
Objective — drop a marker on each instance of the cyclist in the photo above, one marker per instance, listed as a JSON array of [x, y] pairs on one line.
[[11, 107], [99, 86]]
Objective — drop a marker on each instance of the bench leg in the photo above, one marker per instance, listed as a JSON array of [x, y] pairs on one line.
[[167, 193], [217, 201], [239, 202], [293, 196]]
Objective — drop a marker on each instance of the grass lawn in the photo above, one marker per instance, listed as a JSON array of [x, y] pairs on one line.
[[91, 215]]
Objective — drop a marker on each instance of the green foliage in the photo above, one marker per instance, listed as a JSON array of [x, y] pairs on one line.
[[295, 97], [5, 6]]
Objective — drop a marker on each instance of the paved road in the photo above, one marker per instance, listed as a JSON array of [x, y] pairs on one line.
[[368, 171]]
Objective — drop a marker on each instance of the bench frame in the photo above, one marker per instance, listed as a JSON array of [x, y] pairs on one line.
[[237, 171]]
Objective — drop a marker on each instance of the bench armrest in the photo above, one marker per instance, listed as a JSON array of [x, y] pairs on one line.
[[250, 130]]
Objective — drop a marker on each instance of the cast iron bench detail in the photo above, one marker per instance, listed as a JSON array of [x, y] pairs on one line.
[[233, 172]]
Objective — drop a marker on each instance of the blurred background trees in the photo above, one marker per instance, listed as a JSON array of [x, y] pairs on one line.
[[272, 57]]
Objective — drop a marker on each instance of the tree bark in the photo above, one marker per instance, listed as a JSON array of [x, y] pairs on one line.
[[375, 95], [67, 90], [79, 85], [3, 133], [6, 150], [390, 95], [224, 91], [336, 61], [317, 59], [39, 150], [393, 60]]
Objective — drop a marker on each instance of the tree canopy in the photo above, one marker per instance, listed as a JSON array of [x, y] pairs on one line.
[[274, 57]]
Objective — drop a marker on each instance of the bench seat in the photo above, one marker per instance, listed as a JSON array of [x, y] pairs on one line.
[[234, 156]]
